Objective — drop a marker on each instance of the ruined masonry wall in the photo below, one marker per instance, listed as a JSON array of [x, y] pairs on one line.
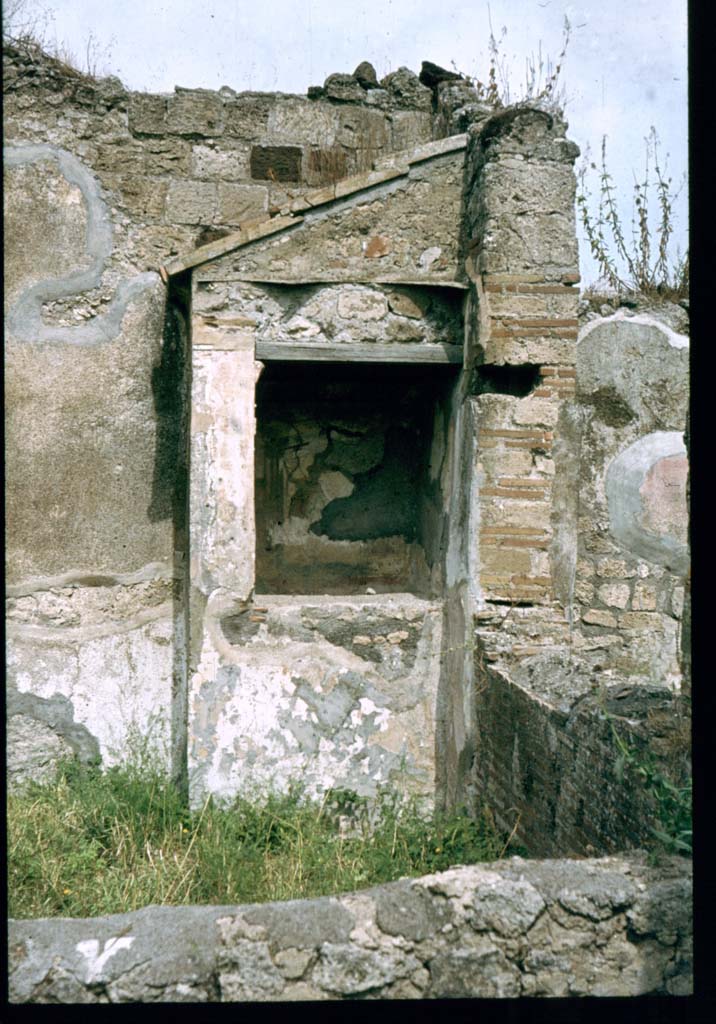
[[613, 927], [110, 185], [550, 694]]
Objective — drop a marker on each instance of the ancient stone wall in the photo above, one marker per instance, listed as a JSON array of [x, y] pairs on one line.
[[611, 927], [103, 186], [498, 548], [551, 694], [632, 557], [525, 484]]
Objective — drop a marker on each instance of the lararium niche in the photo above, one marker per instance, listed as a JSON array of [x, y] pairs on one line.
[[326, 356], [348, 477]]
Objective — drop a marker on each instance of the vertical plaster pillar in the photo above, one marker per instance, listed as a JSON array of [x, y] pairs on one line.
[[221, 504]]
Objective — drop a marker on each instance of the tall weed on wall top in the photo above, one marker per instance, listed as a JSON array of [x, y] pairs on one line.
[[640, 260]]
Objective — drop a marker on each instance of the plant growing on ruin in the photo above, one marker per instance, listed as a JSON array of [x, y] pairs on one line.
[[542, 85], [94, 842], [26, 25], [641, 262], [673, 802]]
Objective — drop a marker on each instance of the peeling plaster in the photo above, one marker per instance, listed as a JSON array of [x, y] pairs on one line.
[[24, 318]]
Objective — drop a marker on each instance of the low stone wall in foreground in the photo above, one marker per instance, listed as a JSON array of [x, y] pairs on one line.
[[610, 927]]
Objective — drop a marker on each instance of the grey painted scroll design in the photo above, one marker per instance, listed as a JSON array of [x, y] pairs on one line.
[[625, 477], [24, 319]]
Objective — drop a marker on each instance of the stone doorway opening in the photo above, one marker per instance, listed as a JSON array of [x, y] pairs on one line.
[[349, 492]]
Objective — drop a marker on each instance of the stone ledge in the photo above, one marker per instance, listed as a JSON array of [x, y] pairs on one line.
[[503, 929]]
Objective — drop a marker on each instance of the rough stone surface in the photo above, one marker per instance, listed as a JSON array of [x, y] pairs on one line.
[[532, 497], [632, 396], [406, 228], [610, 927], [338, 692]]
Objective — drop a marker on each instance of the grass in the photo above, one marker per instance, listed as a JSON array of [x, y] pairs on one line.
[[93, 843]]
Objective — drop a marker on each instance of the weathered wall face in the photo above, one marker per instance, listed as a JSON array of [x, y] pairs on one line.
[[632, 557], [349, 496], [332, 692], [405, 227], [92, 476], [108, 185], [539, 521], [533, 488], [179, 164], [349, 314], [611, 927], [520, 334], [550, 695]]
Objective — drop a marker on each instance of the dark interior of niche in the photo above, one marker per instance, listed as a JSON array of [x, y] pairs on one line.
[[519, 381], [347, 487]]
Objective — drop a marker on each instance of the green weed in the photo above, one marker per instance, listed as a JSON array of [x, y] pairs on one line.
[[542, 85], [641, 263], [673, 802], [94, 843]]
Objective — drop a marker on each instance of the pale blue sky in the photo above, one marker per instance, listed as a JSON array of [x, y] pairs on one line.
[[625, 69]]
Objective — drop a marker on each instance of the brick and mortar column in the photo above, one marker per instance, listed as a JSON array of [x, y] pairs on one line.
[[522, 258]]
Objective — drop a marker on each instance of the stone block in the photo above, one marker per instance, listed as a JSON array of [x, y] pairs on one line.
[[498, 560], [515, 513], [144, 197], [532, 304], [410, 305], [247, 117], [362, 129], [410, 912], [677, 602], [540, 350], [276, 163], [349, 970], [496, 462], [583, 592], [33, 751], [410, 128], [482, 972], [299, 121], [406, 90], [362, 304], [343, 88], [325, 165], [616, 595], [147, 114], [405, 330], [640, 620], [644, 597], [506, 907], [126, 159], [195, 112], [211, 164], [617, 568], [167, 156], [191, 202], [596, 617], [377, 246], [536, 412], [240, 202]]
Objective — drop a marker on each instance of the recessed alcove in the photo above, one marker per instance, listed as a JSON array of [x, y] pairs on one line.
[[348, 477]]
